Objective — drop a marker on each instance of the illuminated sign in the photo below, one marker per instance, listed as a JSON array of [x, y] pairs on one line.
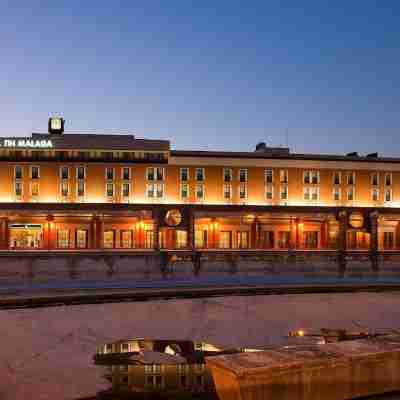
[[27, 143]]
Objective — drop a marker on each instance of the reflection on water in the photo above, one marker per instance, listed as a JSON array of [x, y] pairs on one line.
[[159, 369]]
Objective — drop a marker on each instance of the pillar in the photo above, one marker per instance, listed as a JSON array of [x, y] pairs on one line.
[[373, 221], [156, 230], [191, 231], [253, 234], [293, 234], [342, 240], [50, 237], [93, 233], [100, 233], [4, 242], [324, 235]]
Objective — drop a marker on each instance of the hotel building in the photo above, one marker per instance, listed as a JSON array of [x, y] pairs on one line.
[[118, 193]]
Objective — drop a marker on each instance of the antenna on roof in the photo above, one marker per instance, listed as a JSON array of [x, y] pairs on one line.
[[287, 137]]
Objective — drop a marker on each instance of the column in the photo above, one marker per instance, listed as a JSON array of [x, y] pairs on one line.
[[342, 240], [191, 230], [4, 233], [324, 235], [50, 243], [293, 234], [373, 221], [156, 229], [93, 233], [100, 232], [253, 234]]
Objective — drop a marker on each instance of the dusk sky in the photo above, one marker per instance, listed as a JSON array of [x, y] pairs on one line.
[[207, 74]]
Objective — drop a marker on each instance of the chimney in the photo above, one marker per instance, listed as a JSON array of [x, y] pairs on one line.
[[261, 147]]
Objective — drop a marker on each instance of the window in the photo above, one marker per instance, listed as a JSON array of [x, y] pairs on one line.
[[243, 191], [184, 174], [35, 189], [35, 172], [200, 176], [284, 192], [337, 178], [311, 177], [283, 176], [81, 239], [63, 238], [110, 174], [181, 239], [269, 176], [388, 240], [374, 179], [311, 239], [126, 189], [388, 195], [64, 188], [18, 189], [227, 175], [152, 368], [336, 193], [155, 190], [18, 172], [81, 188], [227, 191], [64, 172], [225, 239], [269, 194], [351, 178], [148, 239], [268, 237], [311, 193], [306, 177], [388, 179], [242, 239], [126, 239], [126, 173], [283, 239], [199, 191], [108, 239], [184, 191], [80, 172], [350, 194], [200, 239], [155, 174], [375, 194], [109, 189], [243, 175]]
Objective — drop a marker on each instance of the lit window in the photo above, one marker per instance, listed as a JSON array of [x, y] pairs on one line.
[[64, 172], [184, 173], [350, 193], [64, 188], [199, 191], [388, 195], [243, 175], [374, 179], [160, 190], [108, 238], [243, 191], [18, 189], [306, 177], [284, 192], [63, 238], [388, 179], [18, 172], [160, 173], [80, 172], [35, 172], [225, 239], [336, 193], [150, 191], [126, 189], [311, 177], [388, 240], [126, 239], [81, 188], [155, 174], [110, 190], [227, 175], [126, 173], [283, 176], [35, 189], [269, 176], [81, 239], [337, 178], [200, 174], [181, 239], [375, 194], [351, 178], [150, 174], [306, 193], [184, 191], [227, 191], [109, 173], [269, 194]]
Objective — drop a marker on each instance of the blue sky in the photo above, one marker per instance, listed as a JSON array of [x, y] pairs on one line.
[[207, 75]]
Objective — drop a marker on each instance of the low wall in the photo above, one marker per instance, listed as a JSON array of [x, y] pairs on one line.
[[336, 371], [46, 267]]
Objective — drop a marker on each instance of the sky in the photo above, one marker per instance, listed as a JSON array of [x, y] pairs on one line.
[[321, 76]]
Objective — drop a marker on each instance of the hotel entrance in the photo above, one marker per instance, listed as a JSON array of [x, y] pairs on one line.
[[26, 236]]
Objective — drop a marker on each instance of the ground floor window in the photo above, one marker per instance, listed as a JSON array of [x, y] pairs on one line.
[[200, 239], [358, 240], [109, 239], [126, 239], [149, 239], [311, 239], [268, 239], [388, 240], [242, 238], [181, 239], [63, 238], [225, 239], [283, 239], [26, 236], [81, 238]]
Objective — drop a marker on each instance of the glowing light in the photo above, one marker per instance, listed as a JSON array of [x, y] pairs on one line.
[[300, 333]]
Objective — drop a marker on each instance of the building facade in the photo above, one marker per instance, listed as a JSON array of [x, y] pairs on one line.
[[111, 193]]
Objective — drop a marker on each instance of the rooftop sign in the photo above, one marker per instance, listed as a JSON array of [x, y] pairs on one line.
[[26, 143]]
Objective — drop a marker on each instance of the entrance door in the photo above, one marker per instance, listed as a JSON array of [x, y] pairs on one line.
[[242, 239]]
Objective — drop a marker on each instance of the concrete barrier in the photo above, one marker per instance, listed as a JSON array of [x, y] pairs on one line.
[[335, 371]]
